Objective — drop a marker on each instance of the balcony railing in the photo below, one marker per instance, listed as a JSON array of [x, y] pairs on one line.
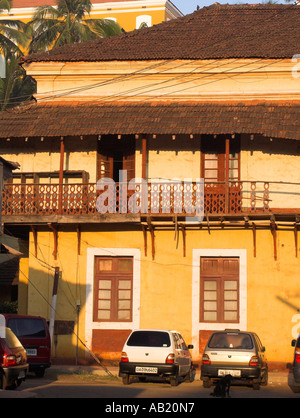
[[159, 198]]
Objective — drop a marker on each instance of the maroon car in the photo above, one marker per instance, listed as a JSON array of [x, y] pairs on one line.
[[34, 335], [13, 360]]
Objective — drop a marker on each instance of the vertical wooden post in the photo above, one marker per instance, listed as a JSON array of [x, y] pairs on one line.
[[273, 230], [296, 239], [34, 234], [144, 158], [254, 239], [144, 227], [61, 174], [227, 145]]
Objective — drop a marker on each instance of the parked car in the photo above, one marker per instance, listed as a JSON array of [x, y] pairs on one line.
[[34, 335], [296, 362], [13, 360], [155, 352], [238, 353]]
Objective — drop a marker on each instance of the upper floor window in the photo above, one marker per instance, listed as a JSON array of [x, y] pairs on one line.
[[143, 21]]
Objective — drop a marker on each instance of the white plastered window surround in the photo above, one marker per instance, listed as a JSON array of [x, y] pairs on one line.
[[143, 19], [90, 325], [196, 324]]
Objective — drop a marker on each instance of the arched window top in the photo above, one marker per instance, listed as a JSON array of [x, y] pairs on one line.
[[143, 21]]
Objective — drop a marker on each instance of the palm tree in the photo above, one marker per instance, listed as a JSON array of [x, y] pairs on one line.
[[12, 35], [66, 24], [16, 87]]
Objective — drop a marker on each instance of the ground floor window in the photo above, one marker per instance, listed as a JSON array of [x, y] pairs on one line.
[[219, 289], [113, 289]]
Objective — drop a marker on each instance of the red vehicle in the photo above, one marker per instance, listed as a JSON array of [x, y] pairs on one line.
[[34, 335], [13, 360]]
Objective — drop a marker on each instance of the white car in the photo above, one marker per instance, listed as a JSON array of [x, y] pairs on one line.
[[156, 352]]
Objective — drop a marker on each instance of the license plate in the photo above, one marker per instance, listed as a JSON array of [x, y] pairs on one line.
[[151, 370], [234, 373], [21, 374], [31, 351]]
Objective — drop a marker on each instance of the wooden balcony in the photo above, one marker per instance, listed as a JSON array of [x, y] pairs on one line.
[[45, 202]]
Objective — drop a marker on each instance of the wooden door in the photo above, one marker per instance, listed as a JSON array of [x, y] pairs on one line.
[[220, 169]]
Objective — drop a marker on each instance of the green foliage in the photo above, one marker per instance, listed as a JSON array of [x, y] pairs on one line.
[[67, 24], [9, 307], [17, 86]]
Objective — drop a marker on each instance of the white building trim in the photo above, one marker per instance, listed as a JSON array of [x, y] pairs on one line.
[[196, 324], [90, 325]]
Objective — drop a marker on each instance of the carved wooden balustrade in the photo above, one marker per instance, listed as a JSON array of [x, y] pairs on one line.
[[159, 198]]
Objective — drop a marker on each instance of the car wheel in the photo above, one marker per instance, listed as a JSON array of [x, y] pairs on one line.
[[126, 379], [190, 376], [3, 383], [256, 384], [174, 381], [40, 372], [207, 383], [265, 378]]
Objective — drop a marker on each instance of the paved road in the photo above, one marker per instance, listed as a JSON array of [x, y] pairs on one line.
[[104, 387]]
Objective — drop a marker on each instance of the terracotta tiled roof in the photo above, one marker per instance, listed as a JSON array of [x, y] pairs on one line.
[[65, 118], [237, 31]]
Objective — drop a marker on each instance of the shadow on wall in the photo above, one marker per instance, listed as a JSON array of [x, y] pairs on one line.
[[69, 326]]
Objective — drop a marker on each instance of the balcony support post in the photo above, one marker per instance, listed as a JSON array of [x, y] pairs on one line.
[[184, 239], [144, 157], [144, 227], [151, 229], [254, 239], [61, 174], [296, 238], [274, 234], [227, 147]]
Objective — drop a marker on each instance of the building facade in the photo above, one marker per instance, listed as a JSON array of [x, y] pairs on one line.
[[162, 179], [129, 14]]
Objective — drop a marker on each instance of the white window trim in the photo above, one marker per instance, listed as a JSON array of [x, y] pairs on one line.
[[90, 325], [143, 18], [196, 324]]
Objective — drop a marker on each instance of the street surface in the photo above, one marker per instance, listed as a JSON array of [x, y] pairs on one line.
[[88, 385]]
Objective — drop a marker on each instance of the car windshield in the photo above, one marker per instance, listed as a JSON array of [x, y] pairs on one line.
[[149, 339], [10, 339], [27, 327], [232, 340]]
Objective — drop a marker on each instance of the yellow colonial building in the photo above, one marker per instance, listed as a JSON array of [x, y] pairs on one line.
[[129, 14], [159, 183]]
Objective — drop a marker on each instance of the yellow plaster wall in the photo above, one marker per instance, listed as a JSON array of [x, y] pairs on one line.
[[125, 14], [242, 79], [273, 287]]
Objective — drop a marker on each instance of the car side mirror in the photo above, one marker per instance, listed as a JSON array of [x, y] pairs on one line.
[[293, 343], [190, 346], [263, 349]]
